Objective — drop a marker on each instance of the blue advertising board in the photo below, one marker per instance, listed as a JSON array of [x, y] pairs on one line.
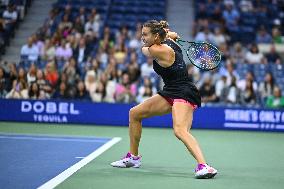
[[51, 111]]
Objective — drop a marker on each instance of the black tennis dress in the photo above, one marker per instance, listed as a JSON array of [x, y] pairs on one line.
[[176, 79]]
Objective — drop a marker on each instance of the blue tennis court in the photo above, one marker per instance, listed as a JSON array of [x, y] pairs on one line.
[[29, 161]]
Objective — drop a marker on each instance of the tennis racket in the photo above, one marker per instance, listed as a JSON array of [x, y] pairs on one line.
[[203, 55]]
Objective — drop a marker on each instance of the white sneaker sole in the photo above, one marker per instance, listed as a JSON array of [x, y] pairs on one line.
[[206, 176]]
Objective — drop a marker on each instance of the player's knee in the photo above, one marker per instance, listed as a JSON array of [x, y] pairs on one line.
[[180, 133], [134, 114]]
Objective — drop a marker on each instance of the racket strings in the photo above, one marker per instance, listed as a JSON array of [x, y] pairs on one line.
[[204, 55]]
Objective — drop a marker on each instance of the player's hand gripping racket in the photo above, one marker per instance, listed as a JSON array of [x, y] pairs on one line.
[[201, 54]]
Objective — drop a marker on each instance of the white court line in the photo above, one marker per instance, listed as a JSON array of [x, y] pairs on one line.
[[242, 125], [53, 139], [71, 170]]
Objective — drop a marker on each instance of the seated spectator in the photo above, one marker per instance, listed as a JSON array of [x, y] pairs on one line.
[[218, 36], [18, 91], [61, 92], [231, 93], [231, 15], [253, 56], [22, 76], [263, 36], [99, 94], [147, 68], [90, 81], [44, 86], [266, 87], [48, 50], [273, 56], [31, 75], [248, 95], [3, 84], [276, 36], [64, 51], [238, 53], [82, 94], [81, 53], [125, 91], [242, 83], [205, 35], [10, 14], [51, 74], [34, 91], [276, 100], [207, 91], [145, 90], [220, 85], [30, 50], [93, 24]]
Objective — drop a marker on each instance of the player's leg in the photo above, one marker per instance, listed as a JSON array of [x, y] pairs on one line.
[[153, 106], [182, 120]]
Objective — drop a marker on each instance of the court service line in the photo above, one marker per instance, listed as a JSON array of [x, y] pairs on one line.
[[56, 138], [74, 168]]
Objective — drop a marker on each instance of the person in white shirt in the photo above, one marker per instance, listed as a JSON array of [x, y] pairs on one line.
[[147, 68], [30, 50], [10, 14]]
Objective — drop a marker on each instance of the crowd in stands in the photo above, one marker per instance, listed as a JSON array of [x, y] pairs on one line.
[[75, 55], [11, 13]]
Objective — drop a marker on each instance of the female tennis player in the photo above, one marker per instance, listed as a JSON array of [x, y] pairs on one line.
[[179, 97]]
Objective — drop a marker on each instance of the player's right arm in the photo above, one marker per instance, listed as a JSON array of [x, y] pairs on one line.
[[145, 51]]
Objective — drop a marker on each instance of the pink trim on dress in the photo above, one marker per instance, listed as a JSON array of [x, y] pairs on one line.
[[171, 101]]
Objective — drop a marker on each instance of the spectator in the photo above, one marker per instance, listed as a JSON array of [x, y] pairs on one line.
[[30, 50], [276, 100], [266, 87], [18, 91], [3, 83], [273, 56], [145, 90], [31, 75], [263, 36], [253, 56], [99, 94], [61, 92], [207, 91], [10, 15], [81, 53], [125, 91], [44, 86], [90, 81], [276, 36], [34, 91], [51, 74], [147, 68], [64, 51], [231, 16], [248, 96], [243, 82], [93, 25], [82, 94], [218, 36], [220, 85], [231, 93], [205, 35], [48, 51]]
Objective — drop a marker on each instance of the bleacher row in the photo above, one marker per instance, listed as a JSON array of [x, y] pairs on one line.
[[113, 13], [249, 21]]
